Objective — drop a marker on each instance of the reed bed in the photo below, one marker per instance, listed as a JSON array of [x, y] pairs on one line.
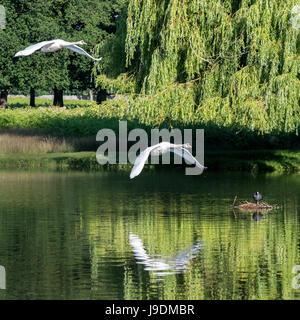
[[31, 142], [13, 143]]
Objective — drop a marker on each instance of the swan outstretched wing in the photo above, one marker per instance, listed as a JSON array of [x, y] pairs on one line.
[[34, 47], [79, 50], [188, 156], [140, 161], [182, 259], [186, 254], [143, 258]]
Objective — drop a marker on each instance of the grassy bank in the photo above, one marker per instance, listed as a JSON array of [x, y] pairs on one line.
[[84, 118], [251, 161], [254, 160], [56, 137], [71, 160]]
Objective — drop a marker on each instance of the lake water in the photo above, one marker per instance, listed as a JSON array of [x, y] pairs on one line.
[[163, 235]]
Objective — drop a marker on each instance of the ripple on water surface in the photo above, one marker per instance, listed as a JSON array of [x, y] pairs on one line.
[[164, 235]]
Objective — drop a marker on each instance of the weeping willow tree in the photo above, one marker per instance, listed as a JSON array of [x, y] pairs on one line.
[[230, 63]]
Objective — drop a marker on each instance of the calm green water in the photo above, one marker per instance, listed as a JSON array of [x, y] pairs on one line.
[[163, 235]]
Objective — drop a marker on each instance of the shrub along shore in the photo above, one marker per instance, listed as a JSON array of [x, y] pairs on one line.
[[254, 161], [51, 137]]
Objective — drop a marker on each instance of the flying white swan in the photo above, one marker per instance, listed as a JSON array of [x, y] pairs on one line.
[[163, 265], [160, 148], [54, 45]]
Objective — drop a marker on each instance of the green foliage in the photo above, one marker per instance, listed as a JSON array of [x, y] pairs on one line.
[[76, 121], [86, 118], [226, 63], [59, 154], [34, 21], [29, 22], [112, 48], [122, 84]]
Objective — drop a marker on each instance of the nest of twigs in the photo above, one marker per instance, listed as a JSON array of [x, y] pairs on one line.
[[250, 206]]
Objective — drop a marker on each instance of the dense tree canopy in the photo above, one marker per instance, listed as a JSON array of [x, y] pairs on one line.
[[33, 21]]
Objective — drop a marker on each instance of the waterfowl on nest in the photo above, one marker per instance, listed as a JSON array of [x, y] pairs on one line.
[[257, 197]]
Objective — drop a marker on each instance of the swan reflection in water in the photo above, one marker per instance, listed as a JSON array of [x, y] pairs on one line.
[[163, 265]]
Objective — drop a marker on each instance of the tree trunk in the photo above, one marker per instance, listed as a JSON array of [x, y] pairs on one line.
[[61, 98], [91, 94], [101, 95], [58, 99], [32, 97], [55, 97], [3, 98]]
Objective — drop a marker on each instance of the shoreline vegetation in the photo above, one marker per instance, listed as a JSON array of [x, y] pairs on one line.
[[252, 161], [228, 67], [65, 138]]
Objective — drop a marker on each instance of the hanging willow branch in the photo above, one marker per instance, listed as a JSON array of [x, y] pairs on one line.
[[239, 59], [201, 58]]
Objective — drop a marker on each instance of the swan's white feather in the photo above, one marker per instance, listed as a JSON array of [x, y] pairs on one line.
[[140, 161], [34, 47], [55, 45], [188, 156], [81, 51], [174, 264], [161, 148]]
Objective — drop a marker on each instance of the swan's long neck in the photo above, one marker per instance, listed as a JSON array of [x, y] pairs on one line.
[[75, 43], [67, 44], [172, 145]]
